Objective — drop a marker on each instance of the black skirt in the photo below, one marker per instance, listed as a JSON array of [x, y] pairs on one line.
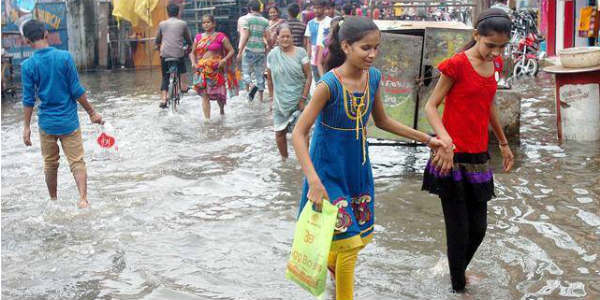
[[470, 176]]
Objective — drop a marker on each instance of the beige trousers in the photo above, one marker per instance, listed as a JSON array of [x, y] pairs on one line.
[[72, 146]]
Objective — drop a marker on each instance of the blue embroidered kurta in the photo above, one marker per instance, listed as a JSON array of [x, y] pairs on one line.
[[339, 152]]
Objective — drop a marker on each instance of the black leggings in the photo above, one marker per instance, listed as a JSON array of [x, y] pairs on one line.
[[466, 222]]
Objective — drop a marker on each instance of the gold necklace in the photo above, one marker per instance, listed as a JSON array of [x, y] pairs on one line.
[[357, 109]]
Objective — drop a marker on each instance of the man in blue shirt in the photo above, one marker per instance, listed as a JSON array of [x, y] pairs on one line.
[[51, 76]]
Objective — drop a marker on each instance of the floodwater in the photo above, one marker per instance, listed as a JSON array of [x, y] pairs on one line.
[[187, 209]]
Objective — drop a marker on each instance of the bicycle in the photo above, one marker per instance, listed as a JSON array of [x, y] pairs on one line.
[[174, 90]]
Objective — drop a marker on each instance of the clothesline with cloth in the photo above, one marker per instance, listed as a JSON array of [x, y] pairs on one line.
[[135, 11]]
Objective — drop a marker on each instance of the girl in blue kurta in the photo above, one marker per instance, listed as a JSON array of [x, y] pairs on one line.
[[338, 167]]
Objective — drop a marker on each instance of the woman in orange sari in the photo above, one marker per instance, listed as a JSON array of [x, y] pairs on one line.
[[214, 71]]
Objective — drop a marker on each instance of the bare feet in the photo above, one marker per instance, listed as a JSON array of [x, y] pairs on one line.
[[83, 203], [467, 296], [473, 278]]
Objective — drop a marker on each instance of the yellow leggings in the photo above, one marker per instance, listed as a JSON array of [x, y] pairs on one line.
[[342, 264]]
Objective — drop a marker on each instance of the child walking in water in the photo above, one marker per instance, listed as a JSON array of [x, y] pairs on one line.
[[50, 75], [338, 169], [462, 177]]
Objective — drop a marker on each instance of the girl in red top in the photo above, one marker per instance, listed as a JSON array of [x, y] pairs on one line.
[[461, 175]]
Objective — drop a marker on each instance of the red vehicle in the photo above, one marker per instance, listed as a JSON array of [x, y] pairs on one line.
[[525, 56]]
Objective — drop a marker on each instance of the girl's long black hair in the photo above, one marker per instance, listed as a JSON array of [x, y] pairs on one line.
[[349, 29], [489, 21]]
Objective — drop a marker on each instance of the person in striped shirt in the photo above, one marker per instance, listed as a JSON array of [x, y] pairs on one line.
[[252, 50], [296, 26]]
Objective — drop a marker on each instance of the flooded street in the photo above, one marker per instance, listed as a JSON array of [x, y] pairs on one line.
[[187, 209]]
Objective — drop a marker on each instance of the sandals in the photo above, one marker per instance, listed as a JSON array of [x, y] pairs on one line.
[[162, 105], [252, 93]]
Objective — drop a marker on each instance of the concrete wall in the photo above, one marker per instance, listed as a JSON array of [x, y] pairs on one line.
[[83, 33], [508, 106], [103, 14]]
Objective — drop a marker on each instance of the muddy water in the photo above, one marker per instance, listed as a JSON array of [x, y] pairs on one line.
[[187, 209]]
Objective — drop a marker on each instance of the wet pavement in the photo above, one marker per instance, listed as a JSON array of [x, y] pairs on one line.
[[187, 209]]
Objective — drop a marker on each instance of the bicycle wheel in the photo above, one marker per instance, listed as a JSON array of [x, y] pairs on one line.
[[178, 90], [519, 70], [176, 94], [172, 92], [532, 67]]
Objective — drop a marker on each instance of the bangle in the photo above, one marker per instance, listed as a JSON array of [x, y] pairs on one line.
[[504, 144], [428, 140], [304, 98]]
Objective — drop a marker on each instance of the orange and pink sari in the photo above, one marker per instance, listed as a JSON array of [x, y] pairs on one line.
[[208, 77]]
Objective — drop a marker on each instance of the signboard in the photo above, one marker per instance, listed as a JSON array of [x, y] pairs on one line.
[[17, 12], [398, 60]]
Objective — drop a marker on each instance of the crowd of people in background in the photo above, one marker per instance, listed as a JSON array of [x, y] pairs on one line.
[[387, 10]]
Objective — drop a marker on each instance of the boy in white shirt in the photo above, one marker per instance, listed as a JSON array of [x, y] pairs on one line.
[[316, 31]]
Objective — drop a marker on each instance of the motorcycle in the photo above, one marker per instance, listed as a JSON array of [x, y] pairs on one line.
[[524, 49], [525, 56]]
